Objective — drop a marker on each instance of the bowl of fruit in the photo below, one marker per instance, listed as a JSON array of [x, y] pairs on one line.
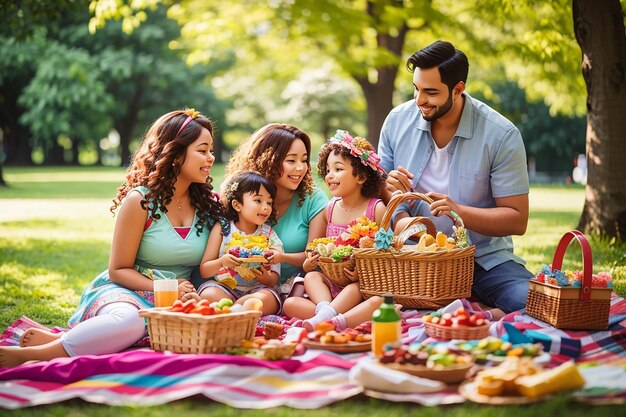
[[458, 325], [436, 361]]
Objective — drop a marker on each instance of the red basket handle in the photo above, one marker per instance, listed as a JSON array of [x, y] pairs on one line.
[[557, 262]]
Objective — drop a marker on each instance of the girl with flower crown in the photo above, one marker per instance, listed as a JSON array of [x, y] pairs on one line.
[[351, 171], [166, 210], [247, 199]]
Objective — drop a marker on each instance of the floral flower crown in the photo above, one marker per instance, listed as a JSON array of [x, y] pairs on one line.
[[359, 147]]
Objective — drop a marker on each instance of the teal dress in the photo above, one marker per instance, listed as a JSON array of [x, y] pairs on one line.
[[162, 253], [293, 227]]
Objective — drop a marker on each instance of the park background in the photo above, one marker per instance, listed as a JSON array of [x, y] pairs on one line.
[[80, 81]]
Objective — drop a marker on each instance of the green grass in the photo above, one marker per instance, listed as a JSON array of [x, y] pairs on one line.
[[69, 182], [55, 231]]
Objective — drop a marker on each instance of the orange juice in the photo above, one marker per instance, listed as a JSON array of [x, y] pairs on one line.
[[165, 298], [383, 333], [165, 292], [385, 326]]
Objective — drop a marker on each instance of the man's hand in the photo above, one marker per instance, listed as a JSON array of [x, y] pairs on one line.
[[442, 205], [400, 180]]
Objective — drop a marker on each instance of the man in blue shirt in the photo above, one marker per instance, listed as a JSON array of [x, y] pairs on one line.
[[470, 160]]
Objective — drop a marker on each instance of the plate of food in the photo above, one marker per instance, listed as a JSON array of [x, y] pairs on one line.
[[469, 390], [347, 347], [450, 374]]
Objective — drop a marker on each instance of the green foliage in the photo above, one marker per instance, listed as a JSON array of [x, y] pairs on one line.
[[553, 141], [20, 18], [66, 96]]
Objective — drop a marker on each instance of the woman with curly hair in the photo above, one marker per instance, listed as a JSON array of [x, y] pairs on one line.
[[166, 211], [281, 152]]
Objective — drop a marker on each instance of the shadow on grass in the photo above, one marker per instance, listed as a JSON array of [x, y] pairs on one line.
[[43, 278]]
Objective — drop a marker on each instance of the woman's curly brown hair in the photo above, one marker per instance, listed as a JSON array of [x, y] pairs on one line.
[[243, 183], [265, 152], [374, 180], [157, 162]]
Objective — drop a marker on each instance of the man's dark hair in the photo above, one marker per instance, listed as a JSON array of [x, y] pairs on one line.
[[452, 64]]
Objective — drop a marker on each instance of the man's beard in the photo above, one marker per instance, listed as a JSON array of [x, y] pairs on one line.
[[440, 110]]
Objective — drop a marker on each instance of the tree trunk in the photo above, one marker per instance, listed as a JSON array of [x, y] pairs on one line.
[[16, 136], [379, 99], [599, 29], [379, 94], [75, 151], [55, 155], [126, 124], [2, 181]]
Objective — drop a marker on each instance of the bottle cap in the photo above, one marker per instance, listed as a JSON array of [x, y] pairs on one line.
[[388, 297]]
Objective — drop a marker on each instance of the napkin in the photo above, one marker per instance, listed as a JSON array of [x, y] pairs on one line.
[[371, 375]]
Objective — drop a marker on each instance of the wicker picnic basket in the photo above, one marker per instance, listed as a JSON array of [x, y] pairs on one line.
[[416, 279], [461, 332], [334, 271], [195, 333], [569, 307]]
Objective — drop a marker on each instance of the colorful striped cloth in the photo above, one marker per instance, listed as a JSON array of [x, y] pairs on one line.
[[145, 377], [600, 347], [315, 379]]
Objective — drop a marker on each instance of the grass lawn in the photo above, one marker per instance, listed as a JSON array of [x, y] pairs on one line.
[[55, 231]]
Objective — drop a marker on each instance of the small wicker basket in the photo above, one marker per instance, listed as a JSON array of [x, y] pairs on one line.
[[461, 332], [416, 279], [567, 307], [334, 271], [195, 333]]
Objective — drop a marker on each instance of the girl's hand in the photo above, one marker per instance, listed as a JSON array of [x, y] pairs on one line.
[[311, 261], [273, 256], [264, 276], [229, 261], [352, 275], [185, 287]]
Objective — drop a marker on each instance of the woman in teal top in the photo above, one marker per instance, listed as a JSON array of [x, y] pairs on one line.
[[166, 211], [281, 153]]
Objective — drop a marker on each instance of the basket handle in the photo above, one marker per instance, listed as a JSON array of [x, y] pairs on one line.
[[557, 261], [416, 225], [397, 199]]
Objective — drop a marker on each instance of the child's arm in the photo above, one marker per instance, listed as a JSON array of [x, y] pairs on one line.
[[211, 261], [379, 212]]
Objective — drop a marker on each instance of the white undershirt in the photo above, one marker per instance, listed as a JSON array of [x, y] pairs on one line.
[[436, 175]]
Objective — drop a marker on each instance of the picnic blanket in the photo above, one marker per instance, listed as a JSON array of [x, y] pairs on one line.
[[315, 379]]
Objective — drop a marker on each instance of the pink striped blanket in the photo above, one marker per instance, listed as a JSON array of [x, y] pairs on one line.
[[315, 379]]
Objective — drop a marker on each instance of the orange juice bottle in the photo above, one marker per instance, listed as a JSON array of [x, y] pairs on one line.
[[385, 325]]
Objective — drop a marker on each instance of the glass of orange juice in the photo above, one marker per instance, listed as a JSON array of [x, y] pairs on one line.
[[165, 292]]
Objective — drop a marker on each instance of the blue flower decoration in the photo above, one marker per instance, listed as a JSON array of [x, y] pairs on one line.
[[561, 278], [576, 284], [383, 239], [546, 270]]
